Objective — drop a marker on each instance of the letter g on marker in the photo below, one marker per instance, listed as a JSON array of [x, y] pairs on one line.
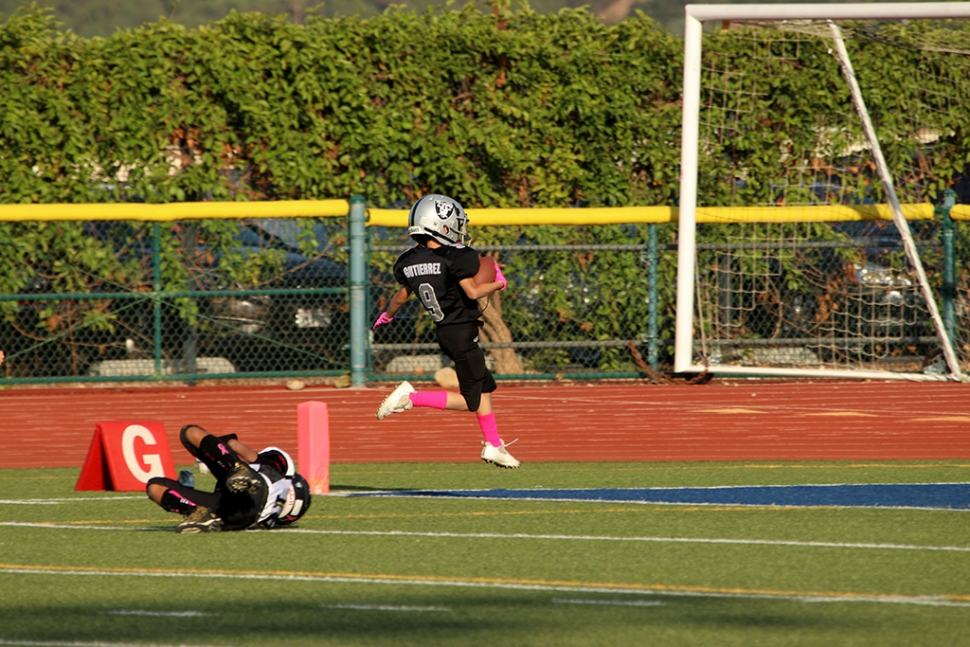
[[136, 464]]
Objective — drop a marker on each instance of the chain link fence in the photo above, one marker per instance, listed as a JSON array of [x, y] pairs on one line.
[[179, 300], [585, 311], [124, 301]]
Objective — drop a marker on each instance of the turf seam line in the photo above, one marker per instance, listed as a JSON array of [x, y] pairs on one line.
[[945, 600]]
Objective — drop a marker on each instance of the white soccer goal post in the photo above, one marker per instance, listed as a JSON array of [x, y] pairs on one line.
[[796, 256]]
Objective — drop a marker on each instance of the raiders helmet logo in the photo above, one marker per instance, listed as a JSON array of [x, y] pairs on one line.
[[444, 209]]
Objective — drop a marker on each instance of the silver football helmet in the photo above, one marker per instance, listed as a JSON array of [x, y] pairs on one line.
[[440, 217]]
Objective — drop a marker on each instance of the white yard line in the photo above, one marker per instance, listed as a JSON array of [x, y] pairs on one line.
[[78, 643], [160, 614], [674, 540], [492, 535], [66, 500], [619, 603], [381, 607]]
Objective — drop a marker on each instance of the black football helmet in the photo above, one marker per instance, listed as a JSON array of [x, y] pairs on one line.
[[297, 501], [279, 460]]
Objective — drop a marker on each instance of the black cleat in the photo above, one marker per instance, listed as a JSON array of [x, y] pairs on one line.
[[200, 520], [242, 479]]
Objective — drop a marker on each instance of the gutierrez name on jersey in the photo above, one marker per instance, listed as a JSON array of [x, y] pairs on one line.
[[421, 269]]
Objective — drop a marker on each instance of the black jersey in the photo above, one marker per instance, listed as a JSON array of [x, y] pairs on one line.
[[433, 275]]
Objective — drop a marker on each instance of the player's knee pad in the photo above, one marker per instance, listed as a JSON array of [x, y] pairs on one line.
[[473, 399], [473, 389], [155, 480], [184, 439]]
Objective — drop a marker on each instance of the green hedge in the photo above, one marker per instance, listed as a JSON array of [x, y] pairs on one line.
[[496, 109], [518, 110]]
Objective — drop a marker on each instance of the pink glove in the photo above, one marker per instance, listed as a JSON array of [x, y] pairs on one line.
[[382, 320], [500, 278]]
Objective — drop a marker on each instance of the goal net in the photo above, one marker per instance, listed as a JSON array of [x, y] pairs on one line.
[[821, 145]]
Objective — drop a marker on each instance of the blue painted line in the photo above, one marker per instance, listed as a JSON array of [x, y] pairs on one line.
[[941, 496]]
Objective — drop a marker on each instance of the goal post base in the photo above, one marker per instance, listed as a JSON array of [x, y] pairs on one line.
[[831, 374]]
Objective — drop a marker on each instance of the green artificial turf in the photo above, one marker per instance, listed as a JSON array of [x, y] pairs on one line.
[[105, 568]]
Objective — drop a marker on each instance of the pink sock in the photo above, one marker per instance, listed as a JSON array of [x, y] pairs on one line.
[[433, 399], [490, 429]]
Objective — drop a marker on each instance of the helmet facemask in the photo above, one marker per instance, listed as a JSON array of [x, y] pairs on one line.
[[297, 501]]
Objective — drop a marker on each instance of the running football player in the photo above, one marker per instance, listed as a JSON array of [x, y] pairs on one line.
[[440, 270]]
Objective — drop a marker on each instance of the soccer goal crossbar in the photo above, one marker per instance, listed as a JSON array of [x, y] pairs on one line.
[[831, 157]]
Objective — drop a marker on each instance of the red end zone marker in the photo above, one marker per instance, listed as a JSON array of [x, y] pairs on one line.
[[313, 445], [124, 455]]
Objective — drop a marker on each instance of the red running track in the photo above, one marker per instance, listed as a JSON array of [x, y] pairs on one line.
[[719, 421]]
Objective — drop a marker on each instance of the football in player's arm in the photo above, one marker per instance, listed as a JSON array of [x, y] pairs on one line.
[[440, 271], [253, 489]]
